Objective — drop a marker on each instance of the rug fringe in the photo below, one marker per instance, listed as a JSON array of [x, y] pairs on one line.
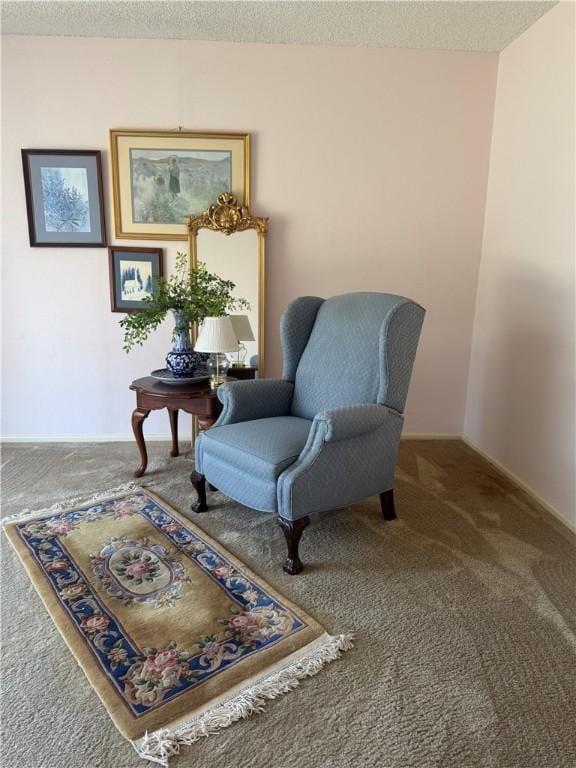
[[160, 746], [28, 514]]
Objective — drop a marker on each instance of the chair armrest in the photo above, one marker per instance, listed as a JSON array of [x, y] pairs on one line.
[[352, 421], [257, 399], [350, 454]]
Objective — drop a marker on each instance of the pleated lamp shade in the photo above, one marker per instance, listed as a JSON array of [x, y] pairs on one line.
[[242, 327], [216, 335]]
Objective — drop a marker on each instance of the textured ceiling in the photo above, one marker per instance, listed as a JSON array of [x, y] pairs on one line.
[[465, 26]]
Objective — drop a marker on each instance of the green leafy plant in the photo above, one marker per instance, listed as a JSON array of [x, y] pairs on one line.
[[193, 292]]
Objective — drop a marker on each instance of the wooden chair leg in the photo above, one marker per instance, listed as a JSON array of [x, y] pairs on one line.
[[387, 504], [199, 483], [293, 532]]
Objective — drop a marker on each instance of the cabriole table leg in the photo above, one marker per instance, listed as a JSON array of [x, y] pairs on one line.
[[138, 417]]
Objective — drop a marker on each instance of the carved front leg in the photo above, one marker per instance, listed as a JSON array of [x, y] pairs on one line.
[[138, 417], [199, 483], [293, 532]]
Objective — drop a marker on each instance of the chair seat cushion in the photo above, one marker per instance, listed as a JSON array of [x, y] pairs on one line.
[[261, 448]]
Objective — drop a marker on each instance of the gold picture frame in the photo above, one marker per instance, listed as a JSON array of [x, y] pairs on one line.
[[161, 178]]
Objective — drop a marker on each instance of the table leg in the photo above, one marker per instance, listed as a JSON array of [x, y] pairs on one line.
[[138, 417], [173, 414]]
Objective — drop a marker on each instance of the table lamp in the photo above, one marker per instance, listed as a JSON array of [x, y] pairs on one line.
[[216, 336], [243, 331]]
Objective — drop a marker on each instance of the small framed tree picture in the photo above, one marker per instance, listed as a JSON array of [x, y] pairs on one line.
[[133, 275], [64, 198]]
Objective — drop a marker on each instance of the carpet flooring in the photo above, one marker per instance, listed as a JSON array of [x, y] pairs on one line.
[[463, 609]]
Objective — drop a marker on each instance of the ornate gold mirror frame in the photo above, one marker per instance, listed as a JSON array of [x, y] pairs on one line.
[[228, 218]]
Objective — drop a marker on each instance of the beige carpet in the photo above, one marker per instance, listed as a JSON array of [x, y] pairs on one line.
[[463, 609]]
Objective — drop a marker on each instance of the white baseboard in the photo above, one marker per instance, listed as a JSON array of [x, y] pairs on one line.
[[430, 436], [521, 483], [82, 438], [129, 438]]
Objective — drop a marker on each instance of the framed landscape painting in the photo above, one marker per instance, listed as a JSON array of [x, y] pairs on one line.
[[160, 178], [64, 197], [133, 274]]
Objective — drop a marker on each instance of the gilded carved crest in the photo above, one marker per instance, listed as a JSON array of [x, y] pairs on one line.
[[227, 216]]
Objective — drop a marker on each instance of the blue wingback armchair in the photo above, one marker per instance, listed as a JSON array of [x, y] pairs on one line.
[[327, 433]]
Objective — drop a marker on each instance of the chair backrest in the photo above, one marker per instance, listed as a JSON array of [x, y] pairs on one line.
[[349, 350]]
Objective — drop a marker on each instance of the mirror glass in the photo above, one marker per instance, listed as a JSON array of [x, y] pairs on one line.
[[236, 257]]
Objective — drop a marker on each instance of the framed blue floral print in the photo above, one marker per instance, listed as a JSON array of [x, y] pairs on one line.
[[64, 198]]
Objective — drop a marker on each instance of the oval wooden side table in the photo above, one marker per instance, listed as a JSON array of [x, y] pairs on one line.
[[151, 395], [196, 399]]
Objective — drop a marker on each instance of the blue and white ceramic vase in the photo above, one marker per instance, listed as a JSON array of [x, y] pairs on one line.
[[182, 360]]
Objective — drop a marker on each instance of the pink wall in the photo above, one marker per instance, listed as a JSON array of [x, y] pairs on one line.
[[521, 396], [372, 165]]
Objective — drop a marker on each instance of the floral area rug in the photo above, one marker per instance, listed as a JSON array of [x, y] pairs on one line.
[[177, 636]]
